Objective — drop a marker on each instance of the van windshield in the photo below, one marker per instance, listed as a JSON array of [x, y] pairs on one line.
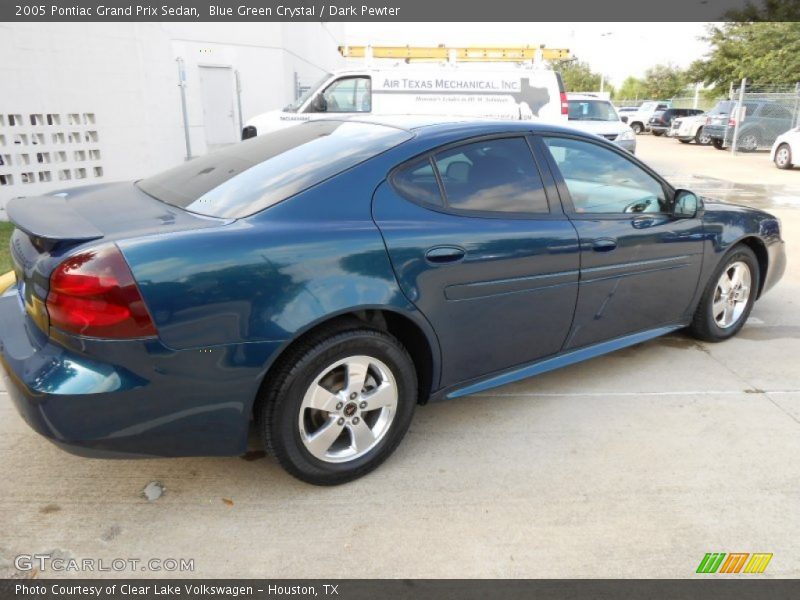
[[294, 106], [250, 176]]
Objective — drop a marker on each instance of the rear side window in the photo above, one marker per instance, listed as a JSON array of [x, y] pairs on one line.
[[250, 176], [417, 182], [493, 175]]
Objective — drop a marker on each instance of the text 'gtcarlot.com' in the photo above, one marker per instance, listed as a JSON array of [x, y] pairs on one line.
[[48, 562]]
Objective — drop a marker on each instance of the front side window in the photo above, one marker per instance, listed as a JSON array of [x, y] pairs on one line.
[[349, 95], [493, 175], [601, 181]]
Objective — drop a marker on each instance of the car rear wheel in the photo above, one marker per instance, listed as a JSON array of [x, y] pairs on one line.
[[657, 133], [338, 405], [684, 141], [728, 297], [783, 157], [637, 128], [717, 143], [702, 138]]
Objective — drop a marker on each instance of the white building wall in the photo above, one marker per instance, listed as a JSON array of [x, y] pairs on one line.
[[112, 94]]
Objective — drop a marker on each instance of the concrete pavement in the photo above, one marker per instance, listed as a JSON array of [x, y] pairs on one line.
[[630, 465]]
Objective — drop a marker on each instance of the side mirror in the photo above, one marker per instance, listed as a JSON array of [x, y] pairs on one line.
[[686, 204], [319, 104]]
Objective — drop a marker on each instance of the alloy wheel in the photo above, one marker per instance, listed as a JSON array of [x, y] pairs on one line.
[[732, 294], [782, 156], [348, 409], [749, 142]]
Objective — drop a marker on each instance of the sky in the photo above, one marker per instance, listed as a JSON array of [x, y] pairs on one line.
[[615, 49]]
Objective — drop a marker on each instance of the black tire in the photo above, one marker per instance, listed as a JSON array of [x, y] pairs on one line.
[[780, 162], [704, 326], [700, 139], [684, 141], [637, 128], [279, 405], [657, 133], [717, 143]]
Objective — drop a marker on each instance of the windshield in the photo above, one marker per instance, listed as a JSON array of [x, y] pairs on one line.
[[250, 176], [294, 106], [592, 110]]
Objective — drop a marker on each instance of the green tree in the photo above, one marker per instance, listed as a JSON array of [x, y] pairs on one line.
[[579, 77], [764, 52], [664, 81], [631, 89]]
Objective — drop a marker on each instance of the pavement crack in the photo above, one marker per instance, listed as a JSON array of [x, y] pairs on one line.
[[780, 408]]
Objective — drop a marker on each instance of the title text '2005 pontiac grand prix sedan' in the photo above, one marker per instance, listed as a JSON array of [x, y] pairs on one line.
[[326, 278]]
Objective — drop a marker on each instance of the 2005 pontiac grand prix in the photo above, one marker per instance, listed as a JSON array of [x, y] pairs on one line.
[[326, 278]]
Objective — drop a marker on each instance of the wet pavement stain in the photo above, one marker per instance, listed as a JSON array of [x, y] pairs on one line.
[[49, 509], [111, 533], [755, 195]]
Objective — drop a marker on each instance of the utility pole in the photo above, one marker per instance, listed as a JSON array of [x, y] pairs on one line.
[[739, 116], [182, 85]]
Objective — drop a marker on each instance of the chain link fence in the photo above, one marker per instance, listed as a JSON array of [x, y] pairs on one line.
[[760, 114], [747, 118]]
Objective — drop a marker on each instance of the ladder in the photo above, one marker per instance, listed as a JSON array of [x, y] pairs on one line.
[[452, 54]]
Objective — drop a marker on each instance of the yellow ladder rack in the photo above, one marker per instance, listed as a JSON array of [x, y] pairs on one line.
[[485, 54]]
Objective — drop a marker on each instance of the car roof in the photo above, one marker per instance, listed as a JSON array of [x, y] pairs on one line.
[[428, 125]]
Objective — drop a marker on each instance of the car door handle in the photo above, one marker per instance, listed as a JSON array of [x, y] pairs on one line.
[[445, 254], [643, 222], [604, 245]]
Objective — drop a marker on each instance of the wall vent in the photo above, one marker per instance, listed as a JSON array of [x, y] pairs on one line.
[[42, 151]]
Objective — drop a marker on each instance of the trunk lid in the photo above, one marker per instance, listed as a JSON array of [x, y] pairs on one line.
[[48, 228]]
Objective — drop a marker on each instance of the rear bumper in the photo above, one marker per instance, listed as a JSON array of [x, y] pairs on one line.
[[142, 400], [717, 132]]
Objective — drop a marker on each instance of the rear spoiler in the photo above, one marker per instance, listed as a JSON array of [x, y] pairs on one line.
[[50, 218]]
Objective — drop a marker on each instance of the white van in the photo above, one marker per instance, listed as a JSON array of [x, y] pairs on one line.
[[493, 91]]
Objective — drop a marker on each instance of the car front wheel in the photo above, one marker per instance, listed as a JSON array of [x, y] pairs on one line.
[[637, 128], [783, 157], [749, 141], [728, 297], [338, 405]]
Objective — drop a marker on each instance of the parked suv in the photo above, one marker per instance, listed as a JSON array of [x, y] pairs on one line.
[[763, 122], [661, 121], [686, 129]]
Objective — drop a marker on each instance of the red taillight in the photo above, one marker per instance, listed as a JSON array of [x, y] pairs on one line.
[[731, 122], [94, 294], [564, 104]]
